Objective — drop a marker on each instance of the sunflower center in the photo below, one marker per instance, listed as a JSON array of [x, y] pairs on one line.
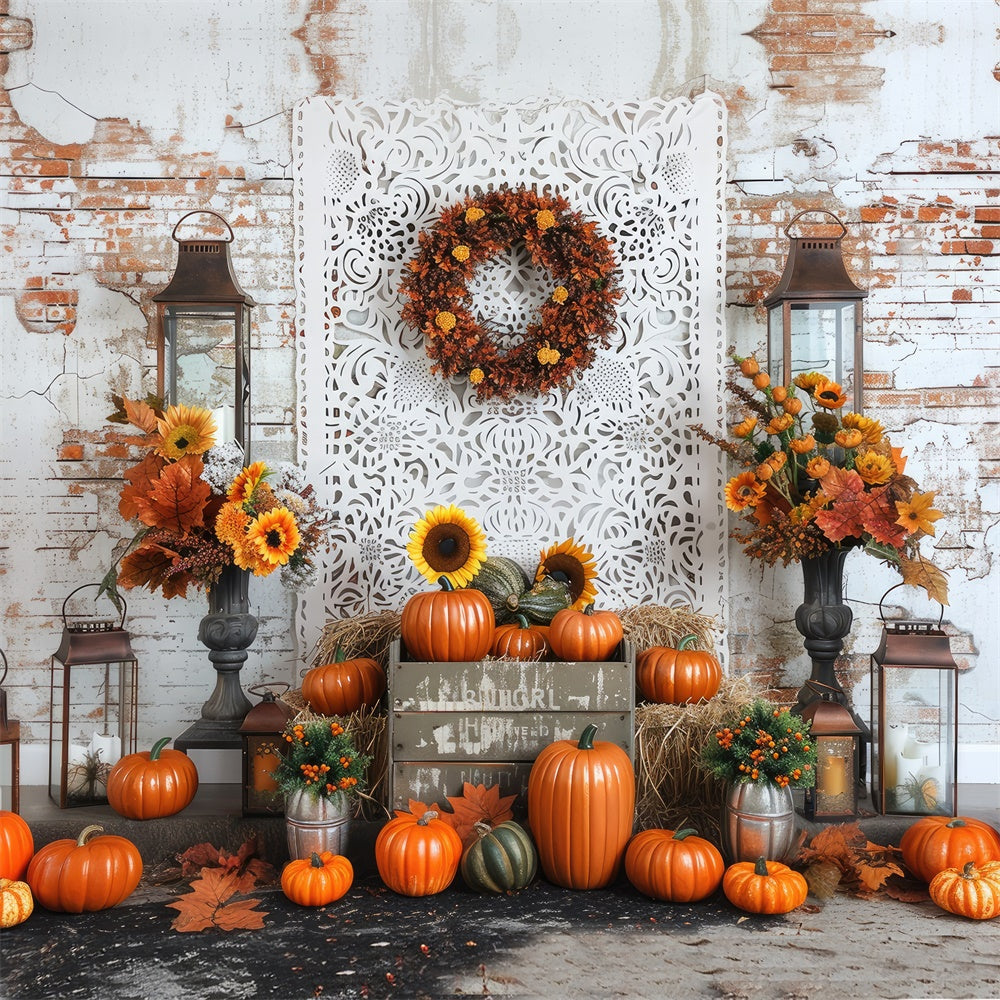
[[446, 548], [273, 538], [567, 569]]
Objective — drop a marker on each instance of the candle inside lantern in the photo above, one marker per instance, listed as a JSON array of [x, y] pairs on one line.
[[225, 423], [833, 778], [265, 760], [109, 747]]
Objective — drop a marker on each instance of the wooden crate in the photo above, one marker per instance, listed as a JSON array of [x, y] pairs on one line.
[[486, 722]]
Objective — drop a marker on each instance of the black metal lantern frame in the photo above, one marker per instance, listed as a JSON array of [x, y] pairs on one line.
[[814, 314], [262, 750], [204, 329]]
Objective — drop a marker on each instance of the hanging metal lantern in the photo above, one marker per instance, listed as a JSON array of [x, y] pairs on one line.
[[914, 682], [814, 314], [10, 735], [838, 741], [204, 329], [94, 677], [263, 746]]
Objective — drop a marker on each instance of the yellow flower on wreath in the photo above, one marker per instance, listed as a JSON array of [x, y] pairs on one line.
[[461, 252], [476, 376], [545, 219], [474, 213], [447, 542], [445, 321], [560, 294]]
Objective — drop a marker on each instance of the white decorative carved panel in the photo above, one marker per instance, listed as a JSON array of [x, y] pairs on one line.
[[612, 460]]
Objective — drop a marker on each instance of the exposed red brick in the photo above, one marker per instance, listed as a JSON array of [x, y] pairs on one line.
[[991, 232], [988, 213], [983, 248], [70, 453], [961, 295]]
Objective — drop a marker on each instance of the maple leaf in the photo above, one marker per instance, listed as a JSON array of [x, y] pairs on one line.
[[855, 511], [150, 566], [415, 807], [865, 867], [919, 573], [477, 804], [209, 904], [140, 414], [140, 479], [834, 845], [874, 867], [177, 498]]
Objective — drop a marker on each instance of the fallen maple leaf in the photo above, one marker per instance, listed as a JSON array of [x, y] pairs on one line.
[[477, 804], [208, 904], [864, 867]]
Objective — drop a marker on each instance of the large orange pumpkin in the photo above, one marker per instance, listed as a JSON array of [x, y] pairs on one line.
[[448, 625], [152, 783], [16, 846], [520, 641], [676, 867], [581, 803], [934, 843], [587, 635], [678, 676], [418, 855], [345, 685], [763, 886], [89, 873]]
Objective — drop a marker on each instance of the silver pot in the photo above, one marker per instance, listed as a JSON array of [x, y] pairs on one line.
[[315, 823], [758, 820]]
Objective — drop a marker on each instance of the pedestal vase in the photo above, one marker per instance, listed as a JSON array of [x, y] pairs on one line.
[[227, 630]]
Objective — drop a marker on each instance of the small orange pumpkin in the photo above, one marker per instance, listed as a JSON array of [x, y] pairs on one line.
[[972, 892], [448, 625], [345, 685], [934, 843], [678, 676], [89, 873], [418, 855], [16, 902], [16, 846], [152, 783], [318, 879], [676, 867], [763, 886], [520, 641], [586, 635], [581, 809]]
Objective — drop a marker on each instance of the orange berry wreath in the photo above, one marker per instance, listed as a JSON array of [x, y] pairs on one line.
[[577, 318]]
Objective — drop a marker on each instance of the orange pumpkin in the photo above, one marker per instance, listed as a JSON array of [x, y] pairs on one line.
[[676, 867], [448, 625], [678, 676], [973, 892], [345, 685], [587, 635], [16, 846], [152, 783], [934, 843], [418, 855], [581, 803], [520, 641], [86, 874], [318, 879], [763, 886]]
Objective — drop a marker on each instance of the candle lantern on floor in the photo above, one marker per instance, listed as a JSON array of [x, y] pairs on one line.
[[261, 736], [914, 682], [94, 679], [10, 735], [837, 740], [814, 313]]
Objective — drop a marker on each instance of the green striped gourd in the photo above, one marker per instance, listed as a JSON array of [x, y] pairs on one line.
[[502, 581], [501, 859]]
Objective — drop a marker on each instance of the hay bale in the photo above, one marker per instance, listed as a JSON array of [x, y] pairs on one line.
[[369, 634], [672, 790], [648, 625]]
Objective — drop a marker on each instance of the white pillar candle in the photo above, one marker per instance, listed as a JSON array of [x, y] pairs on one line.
[[225, 423], [109, 747]]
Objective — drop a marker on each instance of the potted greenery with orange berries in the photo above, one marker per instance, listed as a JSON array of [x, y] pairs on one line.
[[321, 774], [762, 754]]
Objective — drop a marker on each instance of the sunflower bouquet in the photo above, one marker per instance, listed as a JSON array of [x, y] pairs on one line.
[[201, 509], [817, 478]]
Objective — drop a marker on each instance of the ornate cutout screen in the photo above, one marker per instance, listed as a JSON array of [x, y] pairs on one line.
[[611, 461]]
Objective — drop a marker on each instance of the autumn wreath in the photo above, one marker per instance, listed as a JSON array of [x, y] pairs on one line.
[[577, 318]]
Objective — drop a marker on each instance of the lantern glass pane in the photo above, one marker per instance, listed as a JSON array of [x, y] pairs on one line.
[[917, 739], [822, 340], [835, 775], [201, 360], [263, 754]]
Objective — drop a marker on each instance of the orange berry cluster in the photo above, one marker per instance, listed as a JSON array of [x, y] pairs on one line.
[[313, 772]]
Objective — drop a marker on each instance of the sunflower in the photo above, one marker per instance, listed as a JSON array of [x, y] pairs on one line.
[[873, 468], [242, 488], [745, 427], [275, 536], [575, 566], [871, 430], [446, 542], [185, 430], [744, 490], [829, 395], [918, 515]]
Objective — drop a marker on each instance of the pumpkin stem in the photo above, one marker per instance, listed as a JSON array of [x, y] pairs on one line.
[[87, 832], [482, 828], [589, 609], [426, 817], [760, 866], [685, 833], [969, 870], [587, 737], [522, 622], [683, 644], [445, 583], [958, 821], [340, 655], [315, 860], [154, 754]]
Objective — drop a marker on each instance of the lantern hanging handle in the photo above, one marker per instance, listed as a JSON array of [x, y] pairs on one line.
[[268, 689], [3, 676], [84, 586], [203, 211], [824, 691], [816, 211], [881, 613]]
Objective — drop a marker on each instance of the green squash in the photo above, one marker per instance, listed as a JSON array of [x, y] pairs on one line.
[[502, 581], [502, 859], [545, 598]]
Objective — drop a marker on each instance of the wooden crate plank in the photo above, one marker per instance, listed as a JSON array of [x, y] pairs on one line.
[[498, 735], [433, 782]]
